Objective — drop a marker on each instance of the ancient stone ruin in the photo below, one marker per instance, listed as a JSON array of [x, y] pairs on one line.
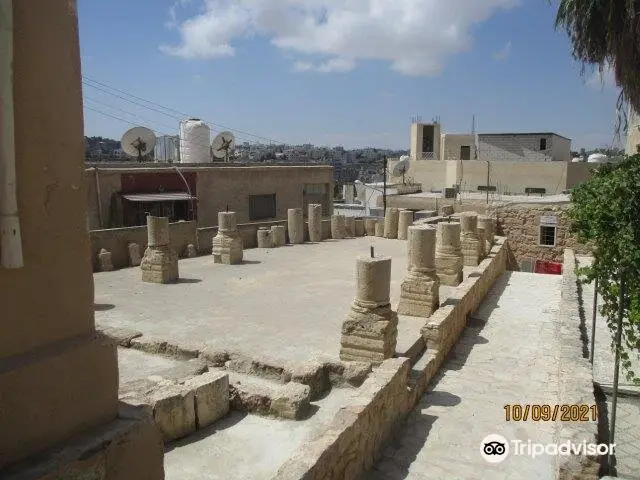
[[470, 242], [227, 244], [160, 261], [391, 218], [448, 254], [315, 222], [295, 224]]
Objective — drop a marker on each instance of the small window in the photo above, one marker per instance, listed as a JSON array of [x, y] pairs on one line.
[[547, 236], [262, 207], [543, 144]]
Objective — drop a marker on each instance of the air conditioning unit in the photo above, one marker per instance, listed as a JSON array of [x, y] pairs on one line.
[[527, 265]]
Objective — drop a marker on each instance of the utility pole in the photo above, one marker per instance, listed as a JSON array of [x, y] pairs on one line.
[[488, 166], [384, 186]]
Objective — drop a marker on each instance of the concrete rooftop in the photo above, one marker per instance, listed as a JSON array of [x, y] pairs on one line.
[[283, 305]]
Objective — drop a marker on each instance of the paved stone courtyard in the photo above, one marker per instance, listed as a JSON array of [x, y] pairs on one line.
[[507, 355], [285, 304]]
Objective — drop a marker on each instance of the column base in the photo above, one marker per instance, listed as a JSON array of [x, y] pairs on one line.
[[419, 295], [471, 251], [227, 249], [449, 270], [159, 265], [369, 335]]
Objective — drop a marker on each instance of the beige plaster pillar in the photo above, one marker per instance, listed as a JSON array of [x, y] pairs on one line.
[[295, 225], [315, 222], [160, 261], [227, 247], [370, 331], [338, 227], [404, 222], [391, 218], [420, 290], [469, 241], [448, 253]]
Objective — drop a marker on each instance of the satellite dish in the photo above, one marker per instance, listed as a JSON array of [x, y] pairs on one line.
[[401, 168], [138, 142], [222, 145]]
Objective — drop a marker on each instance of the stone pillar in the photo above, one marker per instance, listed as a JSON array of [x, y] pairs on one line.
[[420, 290], [350, 227], [227, 245], [404, 222], [371, 329], [278, 235], [295, 224], [160, 262], [391, 218], [59, 410], [482, 236], [338, 227], [104, 260], [134, 254], [486, 223], [370, 226], [448, 254], [265, 238], [315, 222], [380, 228], [469, 241], [359, 226]]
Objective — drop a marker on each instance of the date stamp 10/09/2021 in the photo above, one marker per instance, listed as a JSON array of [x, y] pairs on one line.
[[518, 412]]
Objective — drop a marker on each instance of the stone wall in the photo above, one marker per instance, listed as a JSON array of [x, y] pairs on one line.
[[115, 240], [520, 223], [576, 379], [351, 443]]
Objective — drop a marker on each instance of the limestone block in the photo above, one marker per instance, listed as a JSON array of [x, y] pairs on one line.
[[359, 226], [391, 218], [348, 373], [174, 411], [291, 401], [370, 226], [487, 223], [265, 238], [338, 226], [227, 246], [404, 222], [246, 397], [379, 228], [134, 254], [159, 265], [448, 256], [157, 231], [447, 210], [278, 235], [104, 260], [423, 214], [482, 236], [311, 373], [315, 222], [192, 252], [350, 227], [470, 243], [295, 224], [211, 392]]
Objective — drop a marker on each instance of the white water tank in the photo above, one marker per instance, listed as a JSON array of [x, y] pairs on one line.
[[597, 158], [195, 140], [577, 160]]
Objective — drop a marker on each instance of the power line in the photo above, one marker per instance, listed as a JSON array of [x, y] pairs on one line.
[[86, 81]]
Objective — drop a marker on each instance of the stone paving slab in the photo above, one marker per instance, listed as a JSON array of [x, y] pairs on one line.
[[285, 304], [512, 358]]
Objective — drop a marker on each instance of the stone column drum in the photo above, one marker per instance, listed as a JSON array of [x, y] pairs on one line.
[[227, 245], [315, 222], [370, 226], [469, 240], [278, 235], [350, 227], [338, 227], [420, 290], [370, 330], [265, 238], [160, 262], [380, 228], [487, 223], [391, 218], [448, 254], [359, 226], [405, 220], [483, 242], [295, 224]]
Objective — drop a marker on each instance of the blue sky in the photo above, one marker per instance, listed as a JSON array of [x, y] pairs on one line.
[[349, 72]]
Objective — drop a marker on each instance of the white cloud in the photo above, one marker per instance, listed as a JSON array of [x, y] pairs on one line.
[[414, 36], [503, 53], [602, 80]]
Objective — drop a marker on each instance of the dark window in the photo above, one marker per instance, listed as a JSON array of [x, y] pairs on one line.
[[262, 207], [465, 152], [543, 144], [547, 236]]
